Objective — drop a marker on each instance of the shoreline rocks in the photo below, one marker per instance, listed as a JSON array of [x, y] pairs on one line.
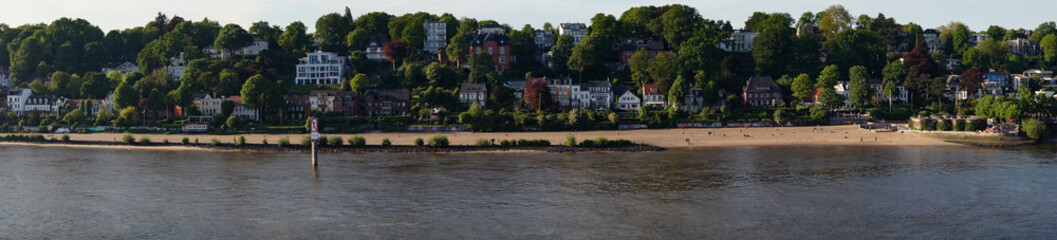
[[369, 148]]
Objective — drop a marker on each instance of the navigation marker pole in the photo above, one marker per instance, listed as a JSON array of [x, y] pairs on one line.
[[315, 141]]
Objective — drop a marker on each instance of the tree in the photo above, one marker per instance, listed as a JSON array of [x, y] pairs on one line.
[[835, 20], [677, 94], [972, 80], [894, 72], [226, 108], [537, 94], [103, 117], [480, 67], [126, 96], [128, 117], [1034, 129], [828, 77], [395, 51], [260, 93], [294, 37], [583, 56], [231, 38], [780, 116], [1049, 48], [560, 53], [331, 31], [860, 86], [803, 87], [890, 91], [39, 87], [960, 37], [829, 98], [360, 83], [266, 31], [676, 24], [457, 49], [1043, 30], [773, 48], [232, 123], [663, 69], [75, 116], [95, 85]]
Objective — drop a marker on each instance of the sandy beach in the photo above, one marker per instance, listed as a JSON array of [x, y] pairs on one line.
[[847, 135]]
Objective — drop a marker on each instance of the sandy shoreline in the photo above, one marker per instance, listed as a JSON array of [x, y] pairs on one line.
[[847, 135]]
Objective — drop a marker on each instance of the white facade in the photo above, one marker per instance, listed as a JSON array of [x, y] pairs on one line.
[[601, 95], [176, 67], [580, 96], [374, 48], [629, 102], [125, 67], [5, 79], [321, 68], [652, 96], [932, 40], [577, 30], [473, 93], [256, 47], [43, 104], [16, 99], [740, 41], [436, 36], [210, 106]]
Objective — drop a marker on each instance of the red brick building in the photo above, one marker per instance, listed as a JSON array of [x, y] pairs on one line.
[[496, 44], [386, 102]]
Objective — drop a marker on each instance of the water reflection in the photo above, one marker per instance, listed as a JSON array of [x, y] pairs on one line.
[[838, 192]]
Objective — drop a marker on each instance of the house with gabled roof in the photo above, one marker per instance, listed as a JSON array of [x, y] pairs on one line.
[[761, 91]]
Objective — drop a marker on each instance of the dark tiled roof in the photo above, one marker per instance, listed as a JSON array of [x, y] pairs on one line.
[[481, 38], [761, 81]]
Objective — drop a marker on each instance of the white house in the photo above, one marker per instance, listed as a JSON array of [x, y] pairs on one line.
[[125, 67], [211, 106], [740, 41], [601, 95], [628, 101], [176, 67], [256, 47], [5, 78], [321, 68], [470, 93], [577, 30], [694, 100], [932, 40], [16, 99], [580, 96], [374, 48], [436, 35], [43, 104], [653, 96]]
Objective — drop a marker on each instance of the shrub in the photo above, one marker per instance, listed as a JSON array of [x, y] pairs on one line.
[[418, 142], [481, 142], [1033, 129], [66, 138], [264, 141], [335, 140], [240, 140], [385, 142], [570, 141], [323, 141], [306, 140], [127, 139], [184, 140], [214, 142], [196, 140], [284, 141], [360, 141], [959, 125], [507, 143], [144, 140], [165, 140], [942, 125], [977, 125], [438, 141]]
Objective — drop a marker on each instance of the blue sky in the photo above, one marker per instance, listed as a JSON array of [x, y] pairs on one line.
[[120, 14]]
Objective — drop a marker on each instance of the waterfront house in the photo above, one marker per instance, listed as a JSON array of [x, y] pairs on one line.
[[652, 95], [601, 93], [694, 100], [337, 102], [387, 102], [321, 68], [628, 101], [16, 99], [473, 93], [296, 107], [761, 91]]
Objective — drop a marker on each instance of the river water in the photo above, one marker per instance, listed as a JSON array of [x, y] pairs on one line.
[[784, 193]]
